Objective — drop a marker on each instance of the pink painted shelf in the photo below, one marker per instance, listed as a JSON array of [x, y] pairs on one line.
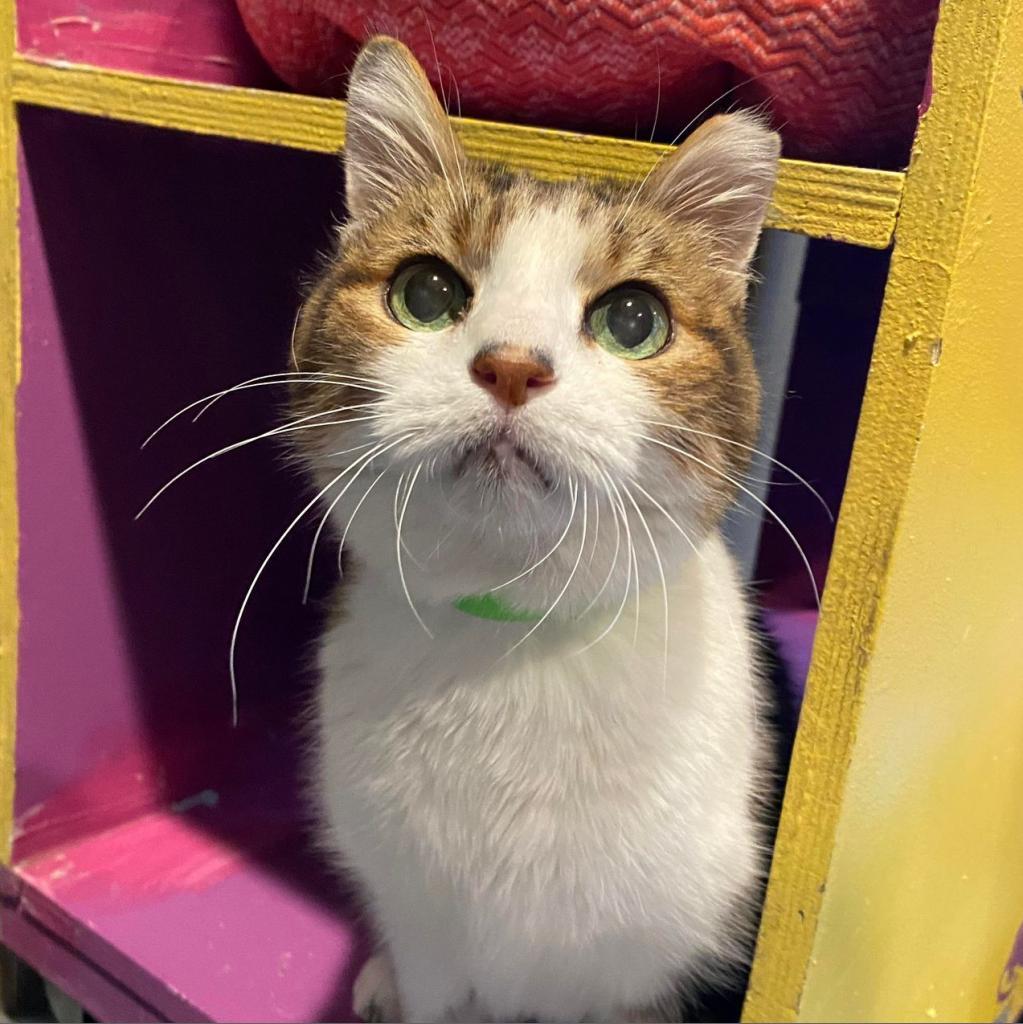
[[201, 40], [209, 909]]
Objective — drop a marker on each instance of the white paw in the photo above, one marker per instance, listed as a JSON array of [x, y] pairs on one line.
[[375, 993]]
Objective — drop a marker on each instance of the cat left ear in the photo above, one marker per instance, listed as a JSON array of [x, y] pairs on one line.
[[722, 177], [397, 134]]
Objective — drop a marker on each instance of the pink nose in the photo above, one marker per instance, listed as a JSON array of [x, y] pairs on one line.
[[512, 375]]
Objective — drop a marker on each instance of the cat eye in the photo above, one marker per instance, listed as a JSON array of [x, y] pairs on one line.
[[629, 322], [427, 296]]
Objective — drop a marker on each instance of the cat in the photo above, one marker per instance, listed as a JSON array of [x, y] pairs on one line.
[[536, 728]]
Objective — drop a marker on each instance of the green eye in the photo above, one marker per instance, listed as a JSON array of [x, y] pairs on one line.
[[426, 296], [629, 322]]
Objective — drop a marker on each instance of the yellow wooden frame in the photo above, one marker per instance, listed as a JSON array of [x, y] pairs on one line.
[[847, 933], [848, 204], [829, 946], [10, 371]]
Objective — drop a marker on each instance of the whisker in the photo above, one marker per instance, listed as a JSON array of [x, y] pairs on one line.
[[671, 519], [404, 546], [596, 526], [657, 107], [306, 379], [444, 97], [633, 558], [756, 451], [689, 540], [574, 492], [252, 586], [397, 547], [660, 572], [628, 579], [355, 512], [620, 220], [270, 379], [293, 427], [763, 504], [366, 459], [630, 561], [561, 593], [291, 343], [348, 451]]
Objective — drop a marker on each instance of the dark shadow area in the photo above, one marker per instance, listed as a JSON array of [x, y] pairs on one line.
[[840, 302]]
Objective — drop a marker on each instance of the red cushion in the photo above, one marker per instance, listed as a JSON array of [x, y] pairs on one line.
[[842, 78]]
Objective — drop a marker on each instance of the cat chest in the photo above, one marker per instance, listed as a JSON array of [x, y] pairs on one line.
[[540, 768]]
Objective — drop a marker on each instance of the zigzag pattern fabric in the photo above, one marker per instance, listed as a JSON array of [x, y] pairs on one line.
[[842, 79]]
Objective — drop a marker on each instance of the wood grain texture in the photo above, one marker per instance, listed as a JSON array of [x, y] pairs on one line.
[[848, 204], [10, 334], [843, 686]]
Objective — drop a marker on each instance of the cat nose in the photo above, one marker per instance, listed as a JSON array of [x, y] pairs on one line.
[[512, 375]]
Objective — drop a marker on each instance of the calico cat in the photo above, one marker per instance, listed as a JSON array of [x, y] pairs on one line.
[[537, 742]]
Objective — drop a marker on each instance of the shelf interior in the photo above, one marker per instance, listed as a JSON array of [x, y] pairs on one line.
[[170, 854]]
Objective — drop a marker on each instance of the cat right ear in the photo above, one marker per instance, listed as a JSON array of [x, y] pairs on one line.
[[397, 135], [722, 177]]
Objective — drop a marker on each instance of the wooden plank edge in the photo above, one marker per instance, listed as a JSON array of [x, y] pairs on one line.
[[848, 204], [10, 368]]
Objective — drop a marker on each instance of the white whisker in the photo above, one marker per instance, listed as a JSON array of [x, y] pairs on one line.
[[763, 504], [252, 587], [397, 546], [756, 451], [266, 380], [660, 572], [633, 558], [307, 379], [348, 451], [366, 459], [607, 578], [596, 525], [291, 343], [288, 428], [355, 512], [561, 593], [574, 492]]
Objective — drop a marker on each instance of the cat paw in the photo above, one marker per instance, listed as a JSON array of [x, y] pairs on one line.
[[375, 993]]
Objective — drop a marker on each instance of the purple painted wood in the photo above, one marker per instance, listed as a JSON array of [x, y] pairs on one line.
[[158, 268], [214, 913], [202, 40], [77, 698], [57, 959]]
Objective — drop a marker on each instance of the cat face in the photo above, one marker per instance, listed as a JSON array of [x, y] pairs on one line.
[[528, 357]]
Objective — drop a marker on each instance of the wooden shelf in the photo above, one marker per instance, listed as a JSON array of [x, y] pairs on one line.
[[848, 204]]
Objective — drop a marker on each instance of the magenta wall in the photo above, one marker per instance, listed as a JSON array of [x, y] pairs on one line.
[[157, 268]]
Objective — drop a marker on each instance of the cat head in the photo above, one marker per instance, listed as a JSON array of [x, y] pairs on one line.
[[532, 364]]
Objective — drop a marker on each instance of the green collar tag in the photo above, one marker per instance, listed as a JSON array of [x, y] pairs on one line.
[[489, 606]]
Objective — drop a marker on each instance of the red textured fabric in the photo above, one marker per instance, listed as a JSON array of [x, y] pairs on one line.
[[841, 78]]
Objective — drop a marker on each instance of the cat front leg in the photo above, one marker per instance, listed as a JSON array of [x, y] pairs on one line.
[[429, 984], [375, 993]]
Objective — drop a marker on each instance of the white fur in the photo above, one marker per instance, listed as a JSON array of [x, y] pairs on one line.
[[565, 835], [559, 833]]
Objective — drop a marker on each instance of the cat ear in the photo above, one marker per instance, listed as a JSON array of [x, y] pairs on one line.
[[722, 177], [397, 134]]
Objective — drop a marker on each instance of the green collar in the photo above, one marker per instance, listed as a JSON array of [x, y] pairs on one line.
[[489, 606]]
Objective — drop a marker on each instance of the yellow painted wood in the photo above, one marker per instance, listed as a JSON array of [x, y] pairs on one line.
[[897, 885], [846, 203], [10, 335]]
